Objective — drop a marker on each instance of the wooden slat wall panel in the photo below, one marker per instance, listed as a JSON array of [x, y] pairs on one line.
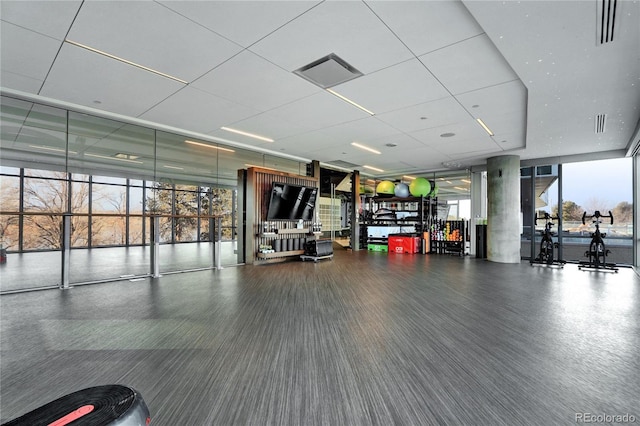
[[259, 182]]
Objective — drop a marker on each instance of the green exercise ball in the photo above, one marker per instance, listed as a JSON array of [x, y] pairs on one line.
[[402, 190], [420, 187], [434, 192], [385, 188]]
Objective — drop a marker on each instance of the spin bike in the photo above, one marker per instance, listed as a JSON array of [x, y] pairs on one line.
[[547, 245], [597, 252]]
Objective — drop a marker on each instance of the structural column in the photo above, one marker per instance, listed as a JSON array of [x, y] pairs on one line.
[[503, 209]]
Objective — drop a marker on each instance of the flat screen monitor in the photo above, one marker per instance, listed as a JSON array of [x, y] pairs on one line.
[[291, 202]]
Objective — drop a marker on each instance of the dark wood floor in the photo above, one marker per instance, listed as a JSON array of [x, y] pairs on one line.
[[363, 339]]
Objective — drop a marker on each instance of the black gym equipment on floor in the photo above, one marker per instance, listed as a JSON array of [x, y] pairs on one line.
[[597, 252], [109, 405], [547, 246]]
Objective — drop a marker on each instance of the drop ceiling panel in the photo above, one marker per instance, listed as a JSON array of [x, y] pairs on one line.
[[26, 53], [399, 86], [425, 26], [318, 111], [469, 65], [80, 77], [199, 111], [252, 81], [466, 130], [426, 158], [50, 18], [243, 22], [427, 115], [151, 35], [348, 29], [365, 129], [263, 124], [315, 145]]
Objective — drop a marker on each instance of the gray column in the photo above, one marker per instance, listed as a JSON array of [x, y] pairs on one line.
[[503, 209]]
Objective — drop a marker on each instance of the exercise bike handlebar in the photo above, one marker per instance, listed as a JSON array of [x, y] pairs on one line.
[[597, 215], [546, 216]]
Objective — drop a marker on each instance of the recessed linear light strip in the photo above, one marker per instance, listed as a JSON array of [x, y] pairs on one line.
[[373, 168], [251, 135], [484, 126], [173, 167], [113, 158], [350, 101], [108, 55], [206, 145], [366, 148], [48, 148]]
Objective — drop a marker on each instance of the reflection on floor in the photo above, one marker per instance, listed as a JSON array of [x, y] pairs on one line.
[[43, 269], [365, 338]]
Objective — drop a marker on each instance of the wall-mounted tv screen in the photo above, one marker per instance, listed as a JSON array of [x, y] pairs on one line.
[[291, 202]]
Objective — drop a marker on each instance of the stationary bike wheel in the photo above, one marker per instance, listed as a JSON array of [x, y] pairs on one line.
[[600, 255], [546, 251]]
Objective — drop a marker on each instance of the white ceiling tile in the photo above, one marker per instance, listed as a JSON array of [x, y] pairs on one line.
[[176, 46], [469, 65], [260, 84], [347, 28], [318, 111], [200, 111], [399, 86], [243, 22], [265, 124], [51, 18], [436, 113], [26, 53], [425, 26], [467, 130], [368, 128], [82, 77]]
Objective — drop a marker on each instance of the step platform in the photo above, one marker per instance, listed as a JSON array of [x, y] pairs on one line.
[[108, 405]]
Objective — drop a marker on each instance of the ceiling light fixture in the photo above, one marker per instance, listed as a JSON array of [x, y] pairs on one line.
[[460, 188], [484, 126], [409, 177], [373, 168], [173, 167], [251, 135], [113, 158], [109, 55], [366, 148], [48, 148], [465, 180], [126, 156], [206, 145], [260, 167], [350, 101]]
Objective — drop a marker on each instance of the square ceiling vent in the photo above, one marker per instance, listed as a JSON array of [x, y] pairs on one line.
[[328, 71]]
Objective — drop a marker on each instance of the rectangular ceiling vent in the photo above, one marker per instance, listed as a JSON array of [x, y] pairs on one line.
[[606, 14], [600, 123], [328, 71]]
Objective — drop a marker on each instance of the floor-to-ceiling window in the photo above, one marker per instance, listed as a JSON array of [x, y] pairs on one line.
[[605, 186], [573, 192]]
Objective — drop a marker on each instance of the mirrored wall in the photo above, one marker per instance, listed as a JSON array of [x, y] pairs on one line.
[[111, 178]]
